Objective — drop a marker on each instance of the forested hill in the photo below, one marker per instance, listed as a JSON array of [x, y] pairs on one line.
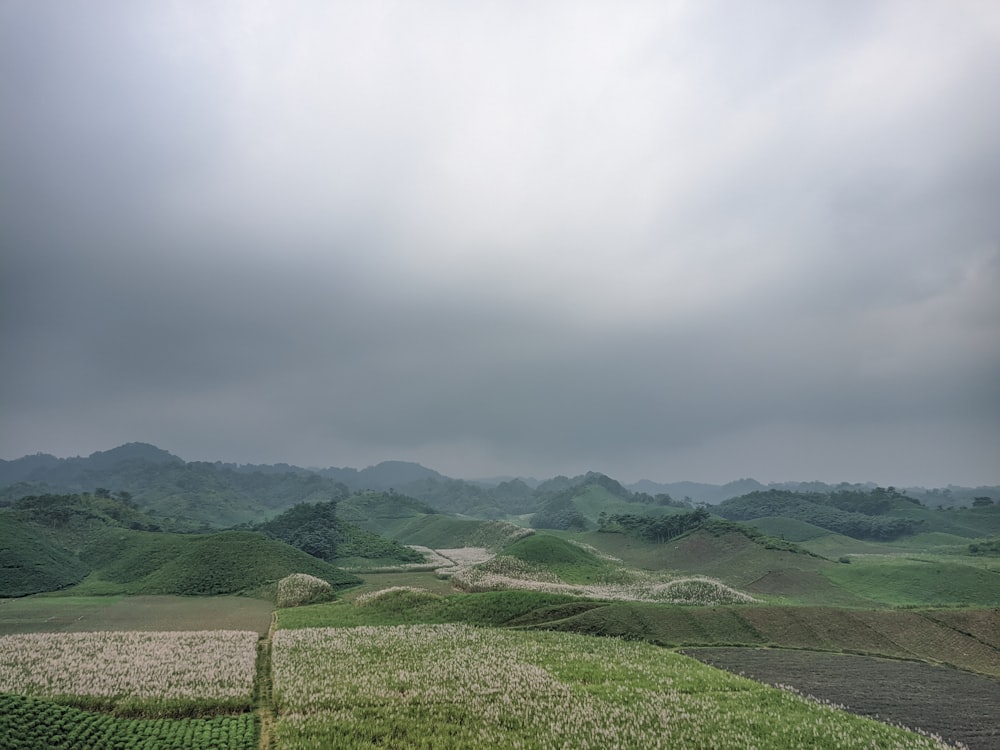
[[862, 515], [222, 495], [214, 494]]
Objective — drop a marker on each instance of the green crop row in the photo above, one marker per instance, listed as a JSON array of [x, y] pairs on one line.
[[37, 724]]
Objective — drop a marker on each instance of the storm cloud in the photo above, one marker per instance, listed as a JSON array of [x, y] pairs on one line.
[[662, 240]]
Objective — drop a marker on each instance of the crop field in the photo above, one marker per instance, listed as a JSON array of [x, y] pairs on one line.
[[31, 723], [454, 686], [960, 707], [148, 673], [92, 613]]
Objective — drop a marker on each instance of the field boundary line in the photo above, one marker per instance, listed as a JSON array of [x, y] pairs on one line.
[[264, 692]]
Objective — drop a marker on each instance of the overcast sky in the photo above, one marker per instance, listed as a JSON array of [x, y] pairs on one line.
[[667, 240]]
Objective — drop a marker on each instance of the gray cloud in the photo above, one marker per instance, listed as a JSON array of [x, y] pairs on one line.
[[661, 240]]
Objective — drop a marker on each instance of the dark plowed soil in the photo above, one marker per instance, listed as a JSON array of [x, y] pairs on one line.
[[956, 705]]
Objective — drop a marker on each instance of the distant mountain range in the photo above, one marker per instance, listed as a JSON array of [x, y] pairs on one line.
[[226, 494]]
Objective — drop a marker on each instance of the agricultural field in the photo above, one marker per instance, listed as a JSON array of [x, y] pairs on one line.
[[35, 723], [118, 689], [956, 705], [160, 673], [453, 686], [89, 613]]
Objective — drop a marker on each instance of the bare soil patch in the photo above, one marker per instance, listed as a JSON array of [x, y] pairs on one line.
[[958, 706]]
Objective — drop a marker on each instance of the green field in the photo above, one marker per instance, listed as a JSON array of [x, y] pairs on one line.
[[39, 724], [919, 581], [452, 686], [50, 614]]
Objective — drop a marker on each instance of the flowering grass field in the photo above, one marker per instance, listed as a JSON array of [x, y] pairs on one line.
[[455, 686], [503, 573], [145, 673]]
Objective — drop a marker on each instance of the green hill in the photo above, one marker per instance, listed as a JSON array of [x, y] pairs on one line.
[[448, 532], [41, 537], [317, 529], [570, 562], [855, 514], [971, 523], [580, 504], [381, 513], [211, 494], [740, 557], [135, 562], [30, 563]]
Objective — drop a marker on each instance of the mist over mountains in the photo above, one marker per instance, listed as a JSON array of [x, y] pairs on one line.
[[240, 493]]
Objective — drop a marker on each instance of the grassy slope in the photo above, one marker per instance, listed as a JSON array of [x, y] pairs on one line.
[[459, 687], [30, 562], [404, 607], [787, 528], [153, 563], [915, 581], [448, 532], [736, 560], [966, 638], [971, 523], [594, 499], [380, 513], [571, 563]]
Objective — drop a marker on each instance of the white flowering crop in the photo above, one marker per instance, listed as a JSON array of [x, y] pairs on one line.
[[195, 665], [300, 588], [504, 572]]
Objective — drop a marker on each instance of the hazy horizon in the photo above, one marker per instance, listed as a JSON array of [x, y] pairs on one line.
[[653, 239], [628, 481]]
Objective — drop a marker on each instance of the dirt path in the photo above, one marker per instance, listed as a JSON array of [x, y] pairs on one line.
[[264, 697]]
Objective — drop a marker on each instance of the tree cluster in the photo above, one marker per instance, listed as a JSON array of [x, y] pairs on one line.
[[315, 528], [653, 528], [825, 511]]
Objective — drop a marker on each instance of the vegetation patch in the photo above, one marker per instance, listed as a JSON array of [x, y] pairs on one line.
[[134, 673], [547, 563], [918, 581], [989, 547], [30, 563], [301, 588], [955, 637], [791, 529], [40, 723], [457, 686], [449, 532], [852, 513], [316, 529], [204, 564], [406, 605]]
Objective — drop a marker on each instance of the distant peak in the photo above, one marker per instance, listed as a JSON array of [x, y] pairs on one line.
[[129, 451]]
